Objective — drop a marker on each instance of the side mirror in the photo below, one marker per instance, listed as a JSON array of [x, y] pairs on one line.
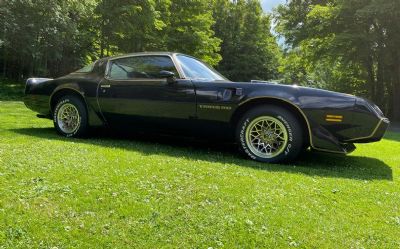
[[170, 76]]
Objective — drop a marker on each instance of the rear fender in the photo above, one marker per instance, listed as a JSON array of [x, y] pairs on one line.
[[74, 88]]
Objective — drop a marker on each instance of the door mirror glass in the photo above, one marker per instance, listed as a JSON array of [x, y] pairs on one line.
[[166, 74], [170, 76]]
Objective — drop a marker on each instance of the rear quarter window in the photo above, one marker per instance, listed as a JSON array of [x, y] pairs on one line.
[[86, 69]]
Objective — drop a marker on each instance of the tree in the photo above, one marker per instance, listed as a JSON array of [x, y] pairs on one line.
[[43, 37], [53, 37], [356, 36], [249, 50], [189, 30], [127, 26]]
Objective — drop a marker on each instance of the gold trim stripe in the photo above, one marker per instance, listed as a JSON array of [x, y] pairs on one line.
[[373, 132], [334, 116], [333, 120]]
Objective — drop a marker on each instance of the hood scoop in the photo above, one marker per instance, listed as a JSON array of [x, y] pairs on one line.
[[263, 82]]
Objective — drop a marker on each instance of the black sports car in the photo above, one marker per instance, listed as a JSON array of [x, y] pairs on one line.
[[172, 91]]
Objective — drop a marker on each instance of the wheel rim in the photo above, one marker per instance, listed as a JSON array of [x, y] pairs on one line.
[[68, 118], [266, 137]]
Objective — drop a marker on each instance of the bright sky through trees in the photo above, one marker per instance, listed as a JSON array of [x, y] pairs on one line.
[[268, 5]]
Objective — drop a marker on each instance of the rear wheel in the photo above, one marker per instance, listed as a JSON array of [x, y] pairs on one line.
[[270, 134], [70, 116]]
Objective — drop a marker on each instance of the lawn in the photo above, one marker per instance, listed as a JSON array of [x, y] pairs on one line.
[[109, 191]]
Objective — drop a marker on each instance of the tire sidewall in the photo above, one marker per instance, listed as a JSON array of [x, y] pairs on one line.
[[294, 143], [82, 115]]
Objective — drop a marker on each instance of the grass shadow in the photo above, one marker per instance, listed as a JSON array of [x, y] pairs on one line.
[[309, 163]]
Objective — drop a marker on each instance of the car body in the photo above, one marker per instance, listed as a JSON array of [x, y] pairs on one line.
[[176, 91]]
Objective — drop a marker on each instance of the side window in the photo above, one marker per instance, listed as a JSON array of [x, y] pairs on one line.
[[141, 67]]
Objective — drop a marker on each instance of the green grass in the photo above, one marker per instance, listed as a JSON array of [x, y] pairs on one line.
[[109, 191]]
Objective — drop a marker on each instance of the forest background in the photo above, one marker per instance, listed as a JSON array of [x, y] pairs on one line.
[[349, 46]]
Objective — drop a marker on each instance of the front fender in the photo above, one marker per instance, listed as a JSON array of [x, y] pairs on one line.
[[314, 106]]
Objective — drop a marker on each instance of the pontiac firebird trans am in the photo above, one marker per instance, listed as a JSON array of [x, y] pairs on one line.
[[172, 91]]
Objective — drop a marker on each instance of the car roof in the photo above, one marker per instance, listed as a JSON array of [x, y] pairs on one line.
[[140, 53]]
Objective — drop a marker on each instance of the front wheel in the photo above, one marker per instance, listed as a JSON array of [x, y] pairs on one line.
[[270, 134], [70, 116]]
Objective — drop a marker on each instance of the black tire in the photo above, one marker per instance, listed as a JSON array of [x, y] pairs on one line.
[[81, 126], [294, 137]]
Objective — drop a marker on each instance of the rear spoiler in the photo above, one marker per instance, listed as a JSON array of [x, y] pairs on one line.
[[34, 81]]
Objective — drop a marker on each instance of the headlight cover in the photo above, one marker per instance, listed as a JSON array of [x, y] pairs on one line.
[[371, 106]]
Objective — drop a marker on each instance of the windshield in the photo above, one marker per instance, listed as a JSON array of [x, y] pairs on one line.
[[86, 69], [197, 70]]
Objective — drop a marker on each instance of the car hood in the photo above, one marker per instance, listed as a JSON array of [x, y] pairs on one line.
[[262, 86]]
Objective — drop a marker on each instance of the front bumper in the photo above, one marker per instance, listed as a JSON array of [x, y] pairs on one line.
[[362, 123], [376, 135], [371, 116]]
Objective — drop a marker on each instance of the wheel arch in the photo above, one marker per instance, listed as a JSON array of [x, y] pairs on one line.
[[59, 93], [291, 107], [93, 117]]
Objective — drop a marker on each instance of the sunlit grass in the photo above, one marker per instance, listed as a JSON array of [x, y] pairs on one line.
[[110, 191]]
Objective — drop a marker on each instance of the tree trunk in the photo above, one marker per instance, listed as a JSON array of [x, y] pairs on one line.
[[102, 29], [20, 69], [396, 93], [371, 78], [102, 40], [379, 84], [5, 51], [5, 62]]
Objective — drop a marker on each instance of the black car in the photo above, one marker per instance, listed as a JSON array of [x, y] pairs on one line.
[[172, 91]]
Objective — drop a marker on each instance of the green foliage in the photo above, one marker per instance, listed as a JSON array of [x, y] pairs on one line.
[[351, 41], [179, 25], [299, 66], [249, 50], [51, 38], [42, 37], [189, 30], [293, 68]]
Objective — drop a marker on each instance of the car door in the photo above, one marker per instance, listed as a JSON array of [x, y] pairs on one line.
[[135, 90], [215, 95]]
